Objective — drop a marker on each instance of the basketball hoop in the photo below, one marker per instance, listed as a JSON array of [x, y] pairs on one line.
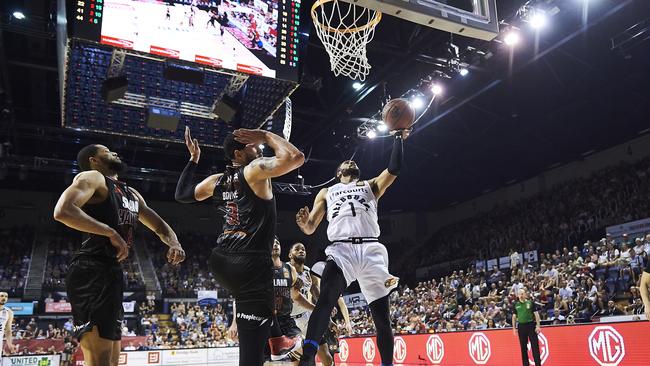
[[345, 29]]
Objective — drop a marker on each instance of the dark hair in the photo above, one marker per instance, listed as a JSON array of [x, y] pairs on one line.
[[84, 155], [230, 145], [338, 169]]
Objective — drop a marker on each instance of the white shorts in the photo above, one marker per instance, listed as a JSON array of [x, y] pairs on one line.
[[302, 320], [366, 263]]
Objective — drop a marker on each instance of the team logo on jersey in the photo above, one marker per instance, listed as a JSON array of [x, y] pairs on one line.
[[543, 349], [606, 346], [368, 350], [391, 282], [399, 352]]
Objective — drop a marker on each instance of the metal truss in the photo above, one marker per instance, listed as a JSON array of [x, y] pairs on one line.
[[117, 63], [287, 119], [236, 83], [185, 108]]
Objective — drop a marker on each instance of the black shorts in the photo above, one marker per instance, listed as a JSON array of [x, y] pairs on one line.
[[288, 326], [95, 291], [249, 277]]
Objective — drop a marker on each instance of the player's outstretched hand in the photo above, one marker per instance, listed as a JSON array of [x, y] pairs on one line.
[[175, 254], [246, 136], [120, 246], [302, 217], [192, 146], [405, 132]]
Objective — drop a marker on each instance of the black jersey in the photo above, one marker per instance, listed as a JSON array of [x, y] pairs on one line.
[[120, 211], [282, 283], [249, 221]]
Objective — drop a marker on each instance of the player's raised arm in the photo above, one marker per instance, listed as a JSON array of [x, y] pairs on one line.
[[155, 223], [68, 210], [308, 221], [287, 157], [380, 183], [186, 190]]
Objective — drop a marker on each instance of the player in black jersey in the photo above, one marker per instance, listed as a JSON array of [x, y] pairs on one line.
[[241, 258], [287, 287], [107, 211]]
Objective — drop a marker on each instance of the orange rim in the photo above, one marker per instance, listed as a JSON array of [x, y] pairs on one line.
[[371, 24]]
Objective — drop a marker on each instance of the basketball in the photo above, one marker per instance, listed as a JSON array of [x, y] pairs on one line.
[[398, 114]]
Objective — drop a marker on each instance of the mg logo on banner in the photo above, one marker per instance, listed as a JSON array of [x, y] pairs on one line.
[[435, 349], [368, 350], [399, 353], [344, 350], [606, 346], [543, 349], [479, 348]]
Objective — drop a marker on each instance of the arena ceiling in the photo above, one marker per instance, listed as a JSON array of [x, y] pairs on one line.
[[515, 114]]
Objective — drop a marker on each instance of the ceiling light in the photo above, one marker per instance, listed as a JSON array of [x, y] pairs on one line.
[[381, 127], [357, 85], [436, 89], [261, 146], [417, 103], [371, 134], [19, 15], [511, 38], [538, 20], [463, 72]]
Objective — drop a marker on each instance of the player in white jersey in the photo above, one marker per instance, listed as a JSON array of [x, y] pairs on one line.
[[6, 323], [355, 252], [310, 289]]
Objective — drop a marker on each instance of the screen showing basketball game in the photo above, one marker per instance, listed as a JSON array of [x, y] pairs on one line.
[[259, 37]]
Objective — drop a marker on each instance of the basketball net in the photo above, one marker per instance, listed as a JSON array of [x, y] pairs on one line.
[[345, 29]]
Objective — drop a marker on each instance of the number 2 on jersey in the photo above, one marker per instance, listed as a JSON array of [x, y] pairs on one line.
[[232, 216]]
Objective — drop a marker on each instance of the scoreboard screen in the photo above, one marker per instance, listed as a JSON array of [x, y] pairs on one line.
[[259, 37]]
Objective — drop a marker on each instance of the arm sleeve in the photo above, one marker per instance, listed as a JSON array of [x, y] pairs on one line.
[[396, 157], [185, 186]]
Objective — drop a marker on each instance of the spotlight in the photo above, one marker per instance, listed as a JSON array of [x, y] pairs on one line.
[[417, 102], [357, 85], [538, 20], [511, 38], [436, 89], [381, 127], [463, 72], [19, 15], [371, 134]]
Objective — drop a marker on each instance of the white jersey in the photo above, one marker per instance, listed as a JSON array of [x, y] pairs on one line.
[[5, 314], [305, 290], [351, 211]]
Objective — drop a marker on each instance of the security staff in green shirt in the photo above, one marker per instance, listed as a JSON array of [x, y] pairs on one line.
[[524, 309]]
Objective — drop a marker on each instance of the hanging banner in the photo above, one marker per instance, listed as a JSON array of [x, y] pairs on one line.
[[633, 229], [355, 300]]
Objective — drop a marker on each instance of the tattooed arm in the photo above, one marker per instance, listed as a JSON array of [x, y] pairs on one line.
[[287, 157]]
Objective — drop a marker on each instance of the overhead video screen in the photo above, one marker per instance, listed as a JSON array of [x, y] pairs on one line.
[[259, 37]]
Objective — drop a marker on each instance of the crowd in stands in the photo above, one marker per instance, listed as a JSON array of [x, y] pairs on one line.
[[566, 214], [15, 253], [192, 275], [61, 247], [569, 285], [188, 325]]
